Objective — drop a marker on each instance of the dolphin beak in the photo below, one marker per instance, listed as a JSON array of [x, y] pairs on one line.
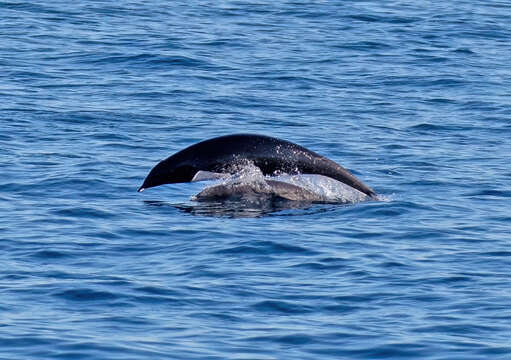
[[140, 189]]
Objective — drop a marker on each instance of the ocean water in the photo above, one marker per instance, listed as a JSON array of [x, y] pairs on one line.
[[413, 97]]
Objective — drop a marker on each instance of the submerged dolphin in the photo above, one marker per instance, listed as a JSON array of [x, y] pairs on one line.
[[271, 155], [269, 188]]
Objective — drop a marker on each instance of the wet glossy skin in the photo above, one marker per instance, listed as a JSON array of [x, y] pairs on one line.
[[223, 154]]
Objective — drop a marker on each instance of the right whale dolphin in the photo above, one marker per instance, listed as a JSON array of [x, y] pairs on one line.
[[271, 155], [270, 188]]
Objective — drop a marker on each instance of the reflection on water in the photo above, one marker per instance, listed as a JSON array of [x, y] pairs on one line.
[[239, 208], [249, 194]]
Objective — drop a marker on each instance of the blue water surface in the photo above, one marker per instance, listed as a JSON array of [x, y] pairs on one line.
[[413, 97]]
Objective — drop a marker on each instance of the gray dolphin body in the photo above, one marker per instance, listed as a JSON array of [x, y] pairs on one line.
[[269, 188], [271, 155]]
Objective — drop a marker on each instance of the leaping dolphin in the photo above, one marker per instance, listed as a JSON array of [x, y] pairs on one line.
[[271, 155]]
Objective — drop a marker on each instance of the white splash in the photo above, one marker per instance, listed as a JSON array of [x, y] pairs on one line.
[[327, 189], [248, 179]]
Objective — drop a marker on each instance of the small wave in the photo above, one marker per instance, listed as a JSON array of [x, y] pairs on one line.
[[490, 193], [86, 294], [50, 254], [383, 19], [266, 248], [281, 307], [291, 339]]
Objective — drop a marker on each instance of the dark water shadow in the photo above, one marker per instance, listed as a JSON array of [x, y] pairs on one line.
[[253, 207], [238, 208]]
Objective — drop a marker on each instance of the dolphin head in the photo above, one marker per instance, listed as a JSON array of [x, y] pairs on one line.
[[168, 171]]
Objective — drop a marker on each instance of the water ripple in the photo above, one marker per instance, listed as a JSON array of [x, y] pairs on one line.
[[412, 97]]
